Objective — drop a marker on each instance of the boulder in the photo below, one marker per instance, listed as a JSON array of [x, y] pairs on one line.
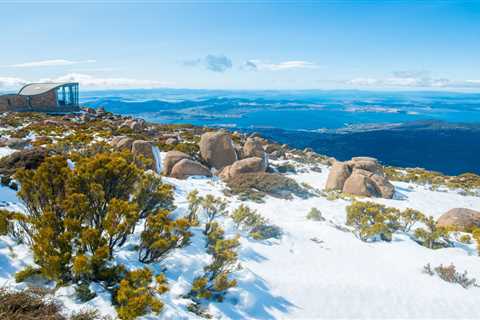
[[386, 189], [253, 148], [28, 159], [144, 148], [217, 149], [171, 158], [366, 163], [171, 141], [248, 165], [186, 168], [339, 173], [124, 144], [136, 125], [359, 183], [460, 219]]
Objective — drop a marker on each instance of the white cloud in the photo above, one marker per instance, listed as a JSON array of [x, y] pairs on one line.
[[254, 65], [413, 79], [50, 63], [88, 81], [216, 63], [11, 83]]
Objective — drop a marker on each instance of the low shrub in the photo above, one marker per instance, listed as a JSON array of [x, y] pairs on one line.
[[432, 236], [465, 238], [26, 273], [83, 292], [29, 304], [450, 274], [372, 221], [136, 295], [315, 215], [260, 184], [256, 225]]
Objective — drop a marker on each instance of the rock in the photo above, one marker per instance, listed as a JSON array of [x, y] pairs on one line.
[[124, 144], [27, 159], [217, 149], [116, 139], [253, 148], [254, 135], [460, 219], [171, 158], [171, 141], [186, 168], [136, 125], [101, 111], [366, 163], [387, 190], [248, 165], [339, 173], [17, 143], [143, 148], [359, 183]]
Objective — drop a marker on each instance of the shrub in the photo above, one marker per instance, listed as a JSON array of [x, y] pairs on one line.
[[450, 274], [372, 221], [194, 203], [28, 304], [212, 207], [465, 238], [476, 237], [408, 218], [256, 185], [216, 279], [152, 194], [84, 293], [136, 296], [431, 236], [315, 215], [5, 222], [26, 273], [78, 218], [161, 235], [256, 225]]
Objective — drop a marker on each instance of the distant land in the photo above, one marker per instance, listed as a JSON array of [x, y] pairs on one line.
[[433, 130]]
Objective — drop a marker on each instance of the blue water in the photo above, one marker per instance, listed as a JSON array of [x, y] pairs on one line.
[[444, 135]]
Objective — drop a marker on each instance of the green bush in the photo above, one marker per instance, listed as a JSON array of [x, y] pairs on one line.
[[465, 238], [161, 235], [432, 236], [450, 274], [136, 295], [256, 225], [372, 221], [26, 273], [315, 215], [83, 292]]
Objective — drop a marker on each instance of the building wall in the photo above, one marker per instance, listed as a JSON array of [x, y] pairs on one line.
[[46, 102]]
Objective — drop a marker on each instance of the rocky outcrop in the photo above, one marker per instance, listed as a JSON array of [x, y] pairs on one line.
[[216, 149], [136, 125], [362, 176], [253, 148], [123, 143], [16, 143], [144, 148], [339, 173], [28, 159], [186, 168], [248, 165], [460, 219], [171, 158]]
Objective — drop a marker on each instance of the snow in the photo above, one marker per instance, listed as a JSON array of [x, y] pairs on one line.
[[158, 159], [5, 151], [316, 270]]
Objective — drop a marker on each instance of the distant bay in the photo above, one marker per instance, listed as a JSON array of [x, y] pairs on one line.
[[434, 130]]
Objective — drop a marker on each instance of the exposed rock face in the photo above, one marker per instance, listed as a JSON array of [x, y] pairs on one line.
[[171, 158], [171, 141], [143, 148], [248, 165], [362, 176], [339, 173], [460, 219], [217, 149], [136, 125], [124, 143], [16, 143], [186, 168], [253, 148], [27, 159], [366, 163]]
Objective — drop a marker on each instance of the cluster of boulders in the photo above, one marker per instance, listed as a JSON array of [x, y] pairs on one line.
[[14, 143], [137, 147], [218, 152], [362, 176]]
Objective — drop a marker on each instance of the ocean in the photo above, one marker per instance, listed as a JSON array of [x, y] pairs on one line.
[[434, 130]]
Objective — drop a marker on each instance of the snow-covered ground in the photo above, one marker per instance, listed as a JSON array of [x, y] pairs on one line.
[[316, 270]]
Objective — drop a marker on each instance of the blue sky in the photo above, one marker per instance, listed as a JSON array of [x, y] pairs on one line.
[[244, 45]]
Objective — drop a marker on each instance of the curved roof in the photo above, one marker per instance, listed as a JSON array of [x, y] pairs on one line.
[[34, 89]]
